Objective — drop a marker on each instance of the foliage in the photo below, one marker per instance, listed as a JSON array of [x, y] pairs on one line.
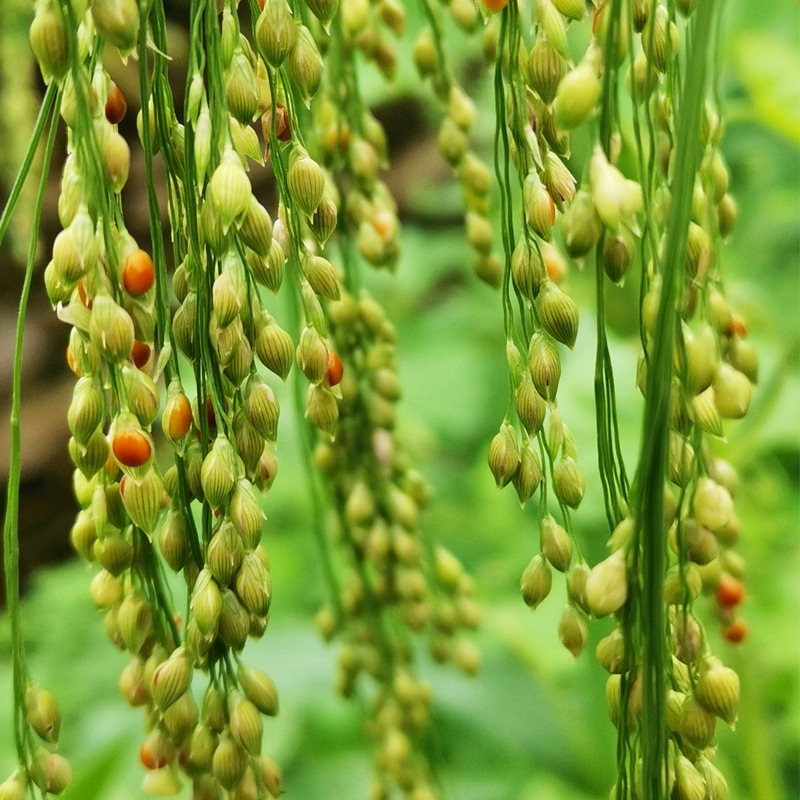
[[535, 723]]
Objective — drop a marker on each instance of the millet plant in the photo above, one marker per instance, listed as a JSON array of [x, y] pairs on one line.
[[177, 349]]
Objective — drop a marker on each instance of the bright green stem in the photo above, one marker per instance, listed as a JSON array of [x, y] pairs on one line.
[[11, 522], [655, 438], [19, 182]]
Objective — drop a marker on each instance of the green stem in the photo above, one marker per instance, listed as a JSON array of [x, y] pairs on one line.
[[11, 521], [19, 181], [655, 437]]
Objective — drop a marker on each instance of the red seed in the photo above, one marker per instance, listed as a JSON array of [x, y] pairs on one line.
[[138, 273], [335, 369], [729, 591], [736, 632], [180, 417], [140, 354], [115, 105], [131, 448]]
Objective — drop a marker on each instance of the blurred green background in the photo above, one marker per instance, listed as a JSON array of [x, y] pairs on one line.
[[533, 724]]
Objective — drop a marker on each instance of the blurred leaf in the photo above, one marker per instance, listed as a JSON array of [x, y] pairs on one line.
[[768, 68]]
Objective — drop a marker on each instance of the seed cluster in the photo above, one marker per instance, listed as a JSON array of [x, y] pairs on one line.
[[174, 414], [177, 350], [714, 367]]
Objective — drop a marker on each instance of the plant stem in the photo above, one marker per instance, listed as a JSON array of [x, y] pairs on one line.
[[655, 438], [11, 521]]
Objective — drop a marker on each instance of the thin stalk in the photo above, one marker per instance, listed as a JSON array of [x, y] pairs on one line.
[[655, 438], [52, 102]]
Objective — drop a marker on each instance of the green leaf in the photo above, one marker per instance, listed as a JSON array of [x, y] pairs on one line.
[[766, 66]]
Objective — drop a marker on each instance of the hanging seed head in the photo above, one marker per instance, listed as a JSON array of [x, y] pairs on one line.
[[572, 630], [41, 711], [275, 348], [732, 392], [312, 355], [556, 543], [702, 410], [225, 553], [528, 476], [696, 725], [234, 622], [580, 227], [276, 32], [530, 406], [171, 679], [218, 474], [51, 772], [304, 63], [246, 513], [610, 652], [321, 276], [259, 689], [679, 587], [546, 68], [553, 25], [504, 455], [253, 585], [558, 314], [143, 500], [114, 553], [569, 482], [663, 34], [111, 329], [424, 53], [559, 181], [256, 228], [83, 535], [261, 407], [681, 459], [105, 590], [536, 581], [176, 421], [576, 585], [206, 603], [229, 762], [249, 443], [135, 622], [717, 690], [305, 181], [544, 366], [322, 408], [452, 142], [117, 21], [241, 88], [229, 190], [576, 96], [540, 211], [618, 253], [229, 292], [607, 585], [245, 724], [697, 360], [48, 39], [716, 785], [142, 394], [91, 458], [727, 212], [743, 357], [712, 504], [571, 9], [526, 269], [173, 541], [116, 158], [86, 411]]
